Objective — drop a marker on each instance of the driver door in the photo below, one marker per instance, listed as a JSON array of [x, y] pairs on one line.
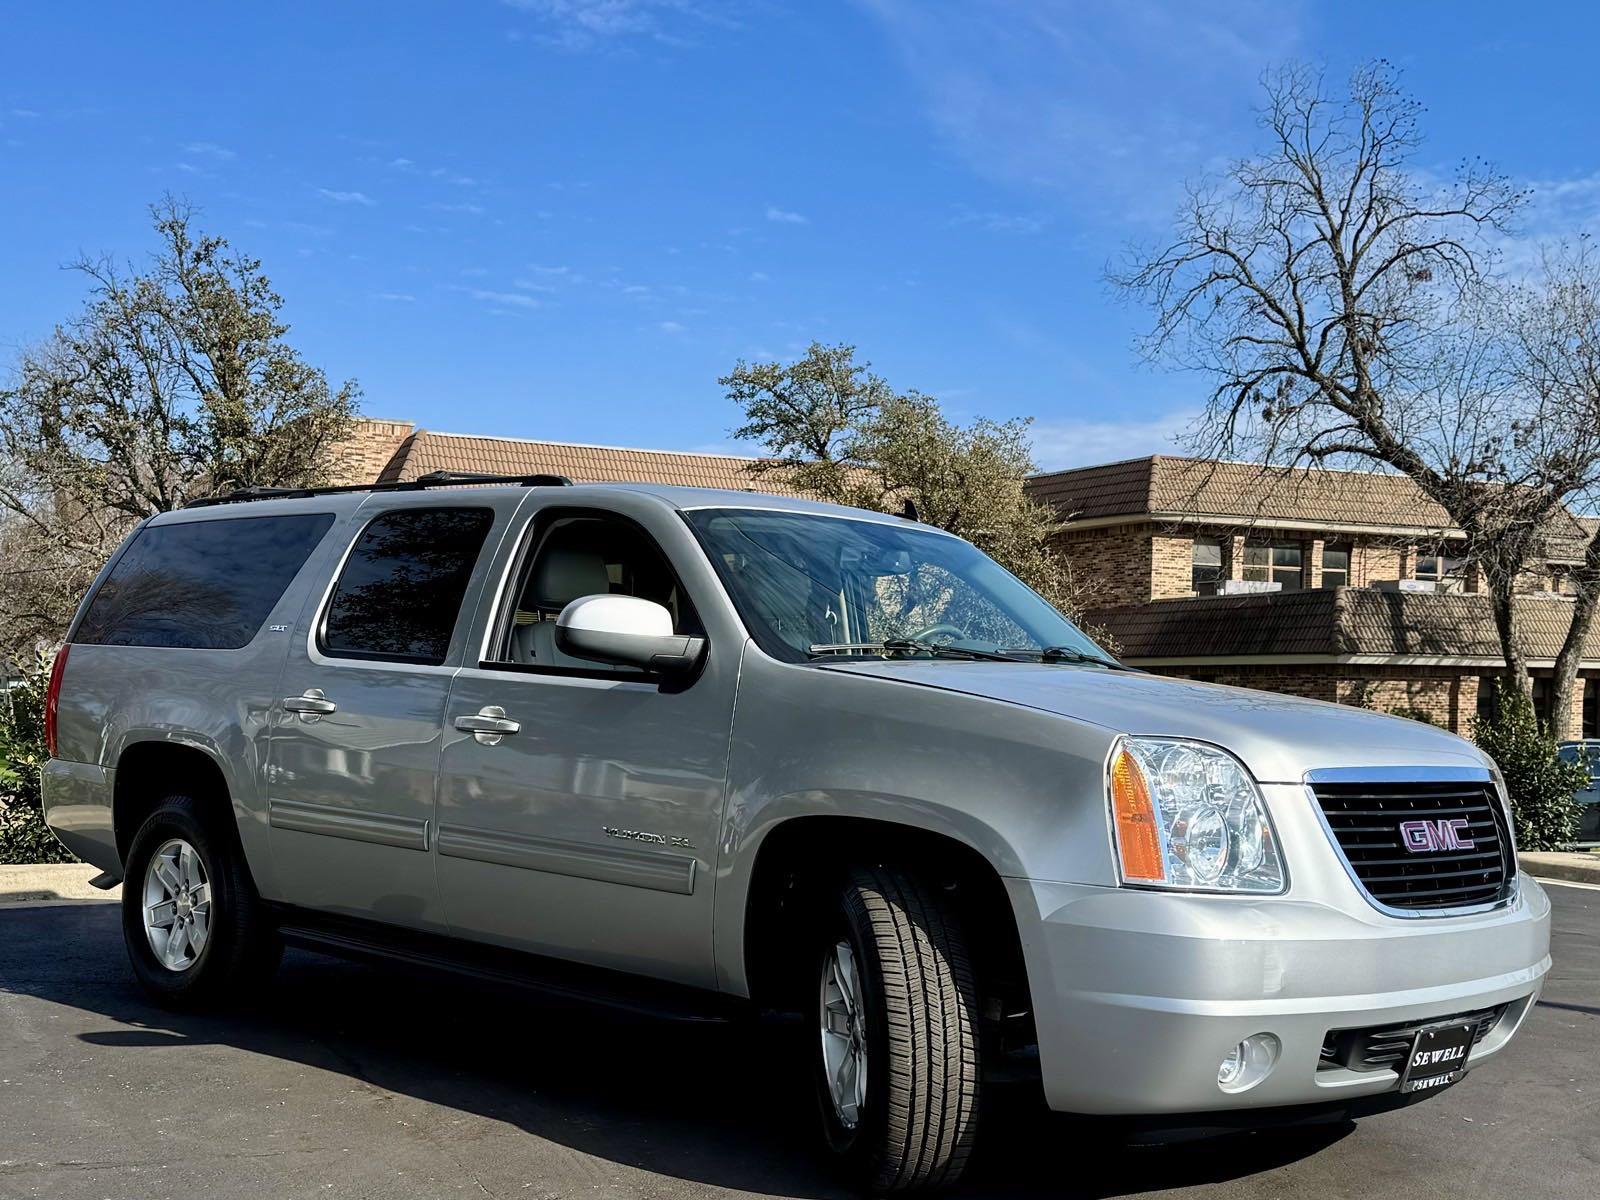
[[589, 830]]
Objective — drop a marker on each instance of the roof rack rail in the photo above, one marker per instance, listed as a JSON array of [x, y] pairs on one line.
[[432, 479]]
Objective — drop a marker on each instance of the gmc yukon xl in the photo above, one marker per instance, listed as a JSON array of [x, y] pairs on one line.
[[696, 751]]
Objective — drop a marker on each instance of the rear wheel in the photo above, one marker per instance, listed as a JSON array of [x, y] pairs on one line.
[[896, 1051], [194, 927]]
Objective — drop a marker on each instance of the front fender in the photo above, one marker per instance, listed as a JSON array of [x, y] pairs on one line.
[[1024, 789]]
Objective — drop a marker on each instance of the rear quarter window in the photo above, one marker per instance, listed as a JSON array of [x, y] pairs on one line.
[[401, 589], [207, 585]]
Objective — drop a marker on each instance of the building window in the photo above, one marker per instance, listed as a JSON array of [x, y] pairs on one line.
[[1273, 562], [1544, 695], [1590, 687], [1335, 565], [1445, 566], [1206, 559]]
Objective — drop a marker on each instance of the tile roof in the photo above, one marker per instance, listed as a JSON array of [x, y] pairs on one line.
[[425, 451], [1168, 486], [1333, 622], [1165, 486]]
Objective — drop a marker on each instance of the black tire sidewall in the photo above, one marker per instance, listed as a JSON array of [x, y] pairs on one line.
[[177, 816], [859, 1148]]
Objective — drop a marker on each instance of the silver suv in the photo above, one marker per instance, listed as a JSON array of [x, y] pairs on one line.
[[693, 750]]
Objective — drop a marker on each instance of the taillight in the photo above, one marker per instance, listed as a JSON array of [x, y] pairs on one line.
[[52, 698]]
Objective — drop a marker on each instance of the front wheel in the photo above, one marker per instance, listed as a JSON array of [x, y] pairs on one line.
[[194, 927], [896, 1057]]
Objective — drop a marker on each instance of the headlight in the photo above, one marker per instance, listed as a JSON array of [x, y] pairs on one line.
[[1188, 815]]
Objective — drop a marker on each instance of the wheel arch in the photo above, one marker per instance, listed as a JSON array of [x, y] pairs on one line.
[[148, 770], [800, 859]]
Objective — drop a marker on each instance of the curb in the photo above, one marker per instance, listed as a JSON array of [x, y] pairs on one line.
[[50, 882], [1571, 868]]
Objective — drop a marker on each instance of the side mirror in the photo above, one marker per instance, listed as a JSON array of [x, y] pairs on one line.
[[628, 632]]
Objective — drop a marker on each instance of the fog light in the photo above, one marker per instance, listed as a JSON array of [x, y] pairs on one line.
[[1249, 1063]]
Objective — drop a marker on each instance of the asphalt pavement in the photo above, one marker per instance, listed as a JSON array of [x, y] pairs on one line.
[[348, 1081]]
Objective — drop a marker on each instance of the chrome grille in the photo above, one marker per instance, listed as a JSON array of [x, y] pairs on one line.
[[1365, 819]]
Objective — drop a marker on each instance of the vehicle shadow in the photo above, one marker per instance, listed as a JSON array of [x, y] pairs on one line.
[[704, 1103]]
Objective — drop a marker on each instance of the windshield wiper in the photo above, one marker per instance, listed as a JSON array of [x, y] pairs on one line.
[[908, 646], [1069, 654]]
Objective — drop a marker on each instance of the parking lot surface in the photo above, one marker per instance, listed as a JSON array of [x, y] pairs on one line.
[[353, 1081]]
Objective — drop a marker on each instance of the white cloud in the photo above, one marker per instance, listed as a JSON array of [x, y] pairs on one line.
[[1000, 222], [670, 327], [784, 216], [209, 150], [395, 297], [1079, 442], [1116, 103], [583, 24], [346, 197], [471, 210], [452, 177], [505, 299]]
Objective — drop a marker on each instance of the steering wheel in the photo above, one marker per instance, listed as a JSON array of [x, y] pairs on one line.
[[954, 632]]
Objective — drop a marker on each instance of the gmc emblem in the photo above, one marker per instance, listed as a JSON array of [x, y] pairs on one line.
[[1423, 837]]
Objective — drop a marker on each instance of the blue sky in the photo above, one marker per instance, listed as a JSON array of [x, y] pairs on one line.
[[566, 218]]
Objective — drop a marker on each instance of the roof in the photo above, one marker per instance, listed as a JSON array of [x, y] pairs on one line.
[[1166, 487], [425, 451], [1336, 623]]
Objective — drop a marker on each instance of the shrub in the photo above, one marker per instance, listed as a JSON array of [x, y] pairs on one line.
[[1541, 786], [24, 837]]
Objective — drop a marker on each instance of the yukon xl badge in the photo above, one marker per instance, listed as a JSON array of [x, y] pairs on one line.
[[639, 835]]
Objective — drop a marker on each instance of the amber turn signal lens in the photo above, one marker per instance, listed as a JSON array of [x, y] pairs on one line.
[[1138, 839]]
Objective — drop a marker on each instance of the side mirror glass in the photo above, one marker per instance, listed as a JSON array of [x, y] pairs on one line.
[[627, 631]]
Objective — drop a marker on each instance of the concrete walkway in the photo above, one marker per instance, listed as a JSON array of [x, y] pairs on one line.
[[45, 882]]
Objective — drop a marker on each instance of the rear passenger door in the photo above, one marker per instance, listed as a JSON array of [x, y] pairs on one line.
[[354, 748]]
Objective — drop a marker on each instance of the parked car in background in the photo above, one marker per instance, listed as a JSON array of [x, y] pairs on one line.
[[1588, 753], [700, 750]]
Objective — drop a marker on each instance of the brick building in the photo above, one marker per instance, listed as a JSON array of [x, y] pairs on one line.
[[1347, 586]]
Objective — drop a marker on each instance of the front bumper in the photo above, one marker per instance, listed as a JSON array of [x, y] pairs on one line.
[[1139, 995]]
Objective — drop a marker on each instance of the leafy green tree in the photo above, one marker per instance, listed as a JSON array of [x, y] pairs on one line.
[[1542, 787], [174, 381], [833, 429], [24, 838]]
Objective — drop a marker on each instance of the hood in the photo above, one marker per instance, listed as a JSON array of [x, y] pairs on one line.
[[1278, 737]]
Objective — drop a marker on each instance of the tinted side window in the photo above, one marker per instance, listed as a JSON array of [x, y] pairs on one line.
[[401, 588], [203, 584]]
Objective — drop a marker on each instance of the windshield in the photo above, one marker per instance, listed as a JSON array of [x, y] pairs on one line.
[[812, 587]]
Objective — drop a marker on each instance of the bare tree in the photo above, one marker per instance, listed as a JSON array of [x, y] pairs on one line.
[[1558, 335], [1348, 308], [174, 381]]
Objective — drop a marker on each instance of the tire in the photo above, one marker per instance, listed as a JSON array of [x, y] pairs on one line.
[[916, 1118], [237, 947]]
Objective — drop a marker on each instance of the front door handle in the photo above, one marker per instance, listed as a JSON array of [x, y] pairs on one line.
[[311, 704], [489, 724]]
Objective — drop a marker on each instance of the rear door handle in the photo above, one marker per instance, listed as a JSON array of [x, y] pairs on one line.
[[489, 724], [310, 705]]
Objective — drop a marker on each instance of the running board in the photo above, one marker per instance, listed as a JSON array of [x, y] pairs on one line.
[[559, 980]]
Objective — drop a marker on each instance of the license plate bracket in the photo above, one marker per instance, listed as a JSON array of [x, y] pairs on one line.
[[1438, 1057]]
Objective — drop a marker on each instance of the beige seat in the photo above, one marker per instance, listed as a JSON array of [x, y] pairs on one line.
[[559, 577]]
